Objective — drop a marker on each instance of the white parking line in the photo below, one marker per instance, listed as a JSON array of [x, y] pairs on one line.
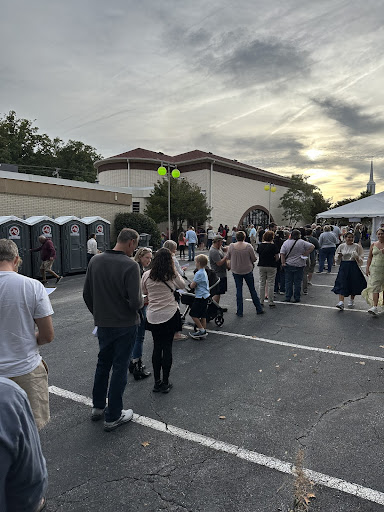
[[248, 455], [294, 345], [315, 306]]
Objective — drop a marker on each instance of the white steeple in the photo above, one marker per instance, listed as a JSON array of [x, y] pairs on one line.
[[371, 185]]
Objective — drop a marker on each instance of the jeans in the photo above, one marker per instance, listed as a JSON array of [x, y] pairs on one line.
[[115, 351], [327, 253], [280, 280], [293, 280], [137, 351], [191, 251], [267, 276], [248, 278]]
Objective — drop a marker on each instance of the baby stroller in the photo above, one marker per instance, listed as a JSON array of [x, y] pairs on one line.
[[214, 311]]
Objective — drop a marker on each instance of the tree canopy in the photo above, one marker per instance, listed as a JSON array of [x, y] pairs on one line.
[[36, 153], [347, 200], [142, 224], [188, 203], [302, 200]]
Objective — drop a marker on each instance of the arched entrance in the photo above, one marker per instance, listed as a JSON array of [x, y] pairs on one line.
[[256, 215]]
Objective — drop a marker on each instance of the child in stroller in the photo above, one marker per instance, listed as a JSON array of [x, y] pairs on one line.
[[214, 311]]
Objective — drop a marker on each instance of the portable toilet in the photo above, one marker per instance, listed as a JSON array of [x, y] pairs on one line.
[[73, 244], [18, 230], [102, 230], [43, 225]]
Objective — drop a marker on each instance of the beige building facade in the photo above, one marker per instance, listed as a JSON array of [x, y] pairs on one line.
[[235, 191], [26, 195]]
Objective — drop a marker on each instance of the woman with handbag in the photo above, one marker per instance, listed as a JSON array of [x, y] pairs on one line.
[[350, 280], [163, 314]]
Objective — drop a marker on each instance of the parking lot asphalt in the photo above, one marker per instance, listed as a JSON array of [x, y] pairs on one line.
[[304, 380]]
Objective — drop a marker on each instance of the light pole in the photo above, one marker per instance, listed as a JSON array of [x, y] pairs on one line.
[[162, 171], [271, 188]]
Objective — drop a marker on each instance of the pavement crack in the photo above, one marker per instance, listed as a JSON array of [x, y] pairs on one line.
[[309, 431]]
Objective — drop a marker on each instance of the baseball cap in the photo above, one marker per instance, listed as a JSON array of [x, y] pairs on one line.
[[217, 238]]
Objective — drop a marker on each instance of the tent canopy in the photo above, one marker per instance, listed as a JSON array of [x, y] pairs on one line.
[[372, 206]]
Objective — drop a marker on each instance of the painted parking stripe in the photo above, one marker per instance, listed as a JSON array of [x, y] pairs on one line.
[[315, 306], [248, 455], [294, 345]]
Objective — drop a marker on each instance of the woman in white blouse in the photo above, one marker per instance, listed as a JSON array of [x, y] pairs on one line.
[[350, 281], [163, 314]]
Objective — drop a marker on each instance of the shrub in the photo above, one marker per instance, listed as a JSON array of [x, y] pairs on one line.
[[142, 224]]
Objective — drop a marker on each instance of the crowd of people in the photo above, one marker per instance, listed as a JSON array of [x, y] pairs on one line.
[[129, 291]]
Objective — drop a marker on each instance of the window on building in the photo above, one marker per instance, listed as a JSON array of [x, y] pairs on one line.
[[136, 207], [255, 217]]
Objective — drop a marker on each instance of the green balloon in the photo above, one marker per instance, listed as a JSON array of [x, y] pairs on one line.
[[162, 171], [175, 173]]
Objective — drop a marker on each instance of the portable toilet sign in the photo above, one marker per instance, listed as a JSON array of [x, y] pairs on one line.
[[18, 230], [41, 225], [101, 228], [75, 230], [73, 244], [14, 233]]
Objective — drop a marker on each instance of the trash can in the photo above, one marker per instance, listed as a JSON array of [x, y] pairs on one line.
[[43, 225], [144, 239], [102, 230], [18, 230], [73, 244]]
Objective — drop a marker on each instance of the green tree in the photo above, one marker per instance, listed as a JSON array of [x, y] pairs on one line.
[[318, 204], [36, 153], [297, 200], [142, 224], [348, 200], [188, 203]]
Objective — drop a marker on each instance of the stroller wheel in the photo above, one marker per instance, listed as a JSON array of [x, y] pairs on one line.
[[219, 320]]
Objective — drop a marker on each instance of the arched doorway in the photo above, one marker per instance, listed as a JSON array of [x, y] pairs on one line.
[[256, 215]]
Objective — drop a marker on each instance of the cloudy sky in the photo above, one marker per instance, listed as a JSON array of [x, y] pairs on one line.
[[290, 86]]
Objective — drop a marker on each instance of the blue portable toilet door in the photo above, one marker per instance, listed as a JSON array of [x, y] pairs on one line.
[[75, 259], [19, 233], [101, 229]]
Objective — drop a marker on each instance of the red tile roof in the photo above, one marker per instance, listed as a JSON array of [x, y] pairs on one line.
[[196, 154]]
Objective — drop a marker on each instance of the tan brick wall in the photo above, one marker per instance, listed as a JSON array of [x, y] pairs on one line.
[[20, 205]]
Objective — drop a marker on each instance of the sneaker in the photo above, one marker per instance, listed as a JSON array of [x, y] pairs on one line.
[[260, 312], [198, 334], [157, 386], [272, 305], [297, 300], [97, 414], [166, 388], [239, 315], [59, 279], [179, 336], [373, 310], [126, 415], [340, 305], [281, 293], [351, 303]]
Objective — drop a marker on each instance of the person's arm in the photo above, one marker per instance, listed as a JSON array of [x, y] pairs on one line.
[[339, 254], [179, 282], [133, 287], [45, 333], [359, 254], [308, 248], [252, 253], [179, 270], [36, 249], [87, 290], [215, 258], [369, 260], [321, 238]]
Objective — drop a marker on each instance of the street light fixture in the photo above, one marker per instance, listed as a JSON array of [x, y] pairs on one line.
[[163, 171], [271, 188]]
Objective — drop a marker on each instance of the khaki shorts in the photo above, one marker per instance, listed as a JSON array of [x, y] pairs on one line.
[[46, 265], [35, 384]]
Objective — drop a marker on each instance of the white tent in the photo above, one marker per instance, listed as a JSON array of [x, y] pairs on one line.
[[372, 207]]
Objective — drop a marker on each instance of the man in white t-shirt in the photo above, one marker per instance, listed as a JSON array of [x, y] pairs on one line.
[[91, 247], [24, 303]]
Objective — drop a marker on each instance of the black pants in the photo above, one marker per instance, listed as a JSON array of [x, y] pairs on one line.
[[162, 348], [182, 250]]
